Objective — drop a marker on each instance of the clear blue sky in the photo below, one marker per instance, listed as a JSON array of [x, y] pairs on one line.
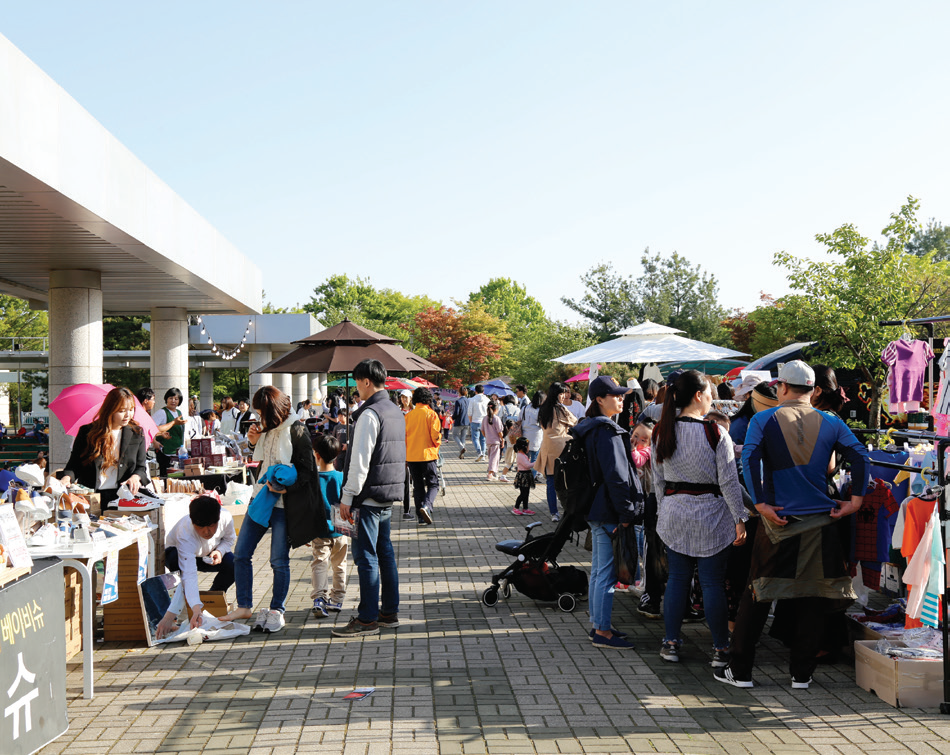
[[432, 145]]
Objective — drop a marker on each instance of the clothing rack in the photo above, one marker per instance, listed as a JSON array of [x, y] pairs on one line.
[[941, 443]]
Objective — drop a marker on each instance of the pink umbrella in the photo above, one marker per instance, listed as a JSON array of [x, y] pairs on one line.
[[582, 377], [79, 404]]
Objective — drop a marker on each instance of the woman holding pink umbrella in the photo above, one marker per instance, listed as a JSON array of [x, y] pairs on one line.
[[110, 450]]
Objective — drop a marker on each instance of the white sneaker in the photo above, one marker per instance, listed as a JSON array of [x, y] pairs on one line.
[[274, 622], [503, 478], [261, 621], [556, 518]]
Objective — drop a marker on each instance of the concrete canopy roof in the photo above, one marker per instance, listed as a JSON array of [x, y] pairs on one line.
[[72, 197]]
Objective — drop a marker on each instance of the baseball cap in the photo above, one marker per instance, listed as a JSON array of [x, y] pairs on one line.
[[748, 383], [605, 386], [405, 392], [796, 373]]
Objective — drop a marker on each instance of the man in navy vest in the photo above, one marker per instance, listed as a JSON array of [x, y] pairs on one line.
[[374, 474]]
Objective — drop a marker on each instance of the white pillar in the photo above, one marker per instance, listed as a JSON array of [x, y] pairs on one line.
[[300, 388], [169, 360], [317, 382], [257, 358], [75, 343], [206, 397], [283, 383]]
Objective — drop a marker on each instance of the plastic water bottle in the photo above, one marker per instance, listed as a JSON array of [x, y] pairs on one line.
[[182, 455]]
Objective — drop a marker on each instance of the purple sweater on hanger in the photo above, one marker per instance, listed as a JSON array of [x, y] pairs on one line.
[[908, 361]]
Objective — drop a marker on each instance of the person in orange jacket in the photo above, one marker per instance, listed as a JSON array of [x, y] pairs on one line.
[[423, 438]]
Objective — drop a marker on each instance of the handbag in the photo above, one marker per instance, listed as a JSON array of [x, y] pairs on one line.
[[625, 554]]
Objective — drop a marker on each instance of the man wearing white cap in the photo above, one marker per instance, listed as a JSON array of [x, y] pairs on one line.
[[796, 555]]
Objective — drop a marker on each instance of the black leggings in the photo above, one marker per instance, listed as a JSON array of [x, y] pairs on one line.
[[521, 502]]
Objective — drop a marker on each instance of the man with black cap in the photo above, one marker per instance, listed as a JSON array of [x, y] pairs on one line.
[[796, 555]]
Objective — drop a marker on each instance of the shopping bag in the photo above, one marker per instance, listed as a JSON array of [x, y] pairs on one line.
[[625, 554]]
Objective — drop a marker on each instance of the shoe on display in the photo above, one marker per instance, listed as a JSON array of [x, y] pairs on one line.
[[612, 643], [801, 685], [334, 607], [320, 608], [259, 622], [720, 659], [670, 652], [390, 620], [31, 474], [356, 628], [725, 676]]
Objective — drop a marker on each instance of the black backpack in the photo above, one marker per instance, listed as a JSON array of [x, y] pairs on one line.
[[572, 482]]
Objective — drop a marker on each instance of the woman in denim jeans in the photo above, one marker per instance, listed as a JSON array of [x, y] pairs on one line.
[[618, 502], [700, 508], [280, 439]]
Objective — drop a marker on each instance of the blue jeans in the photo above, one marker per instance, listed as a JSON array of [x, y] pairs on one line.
[[375, 562], [478, 439], [603, 576], [552, 494], [251, 535], [712, 578]]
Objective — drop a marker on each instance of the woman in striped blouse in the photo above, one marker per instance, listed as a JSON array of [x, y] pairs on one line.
[[700, 508]]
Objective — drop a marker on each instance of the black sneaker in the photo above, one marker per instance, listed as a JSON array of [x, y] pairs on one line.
[[694, 616], [388, 621], [425, 516], [614, 632], [612, 643], [725, 676], [650, 611], [356, 628], [720, 659]]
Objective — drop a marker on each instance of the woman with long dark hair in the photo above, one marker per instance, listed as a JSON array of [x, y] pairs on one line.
[[618, 501], [556, 421], [110, 450], [700, 508], [297, 516]]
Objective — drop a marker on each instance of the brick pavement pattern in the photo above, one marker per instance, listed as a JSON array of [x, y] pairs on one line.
[[459, 678]]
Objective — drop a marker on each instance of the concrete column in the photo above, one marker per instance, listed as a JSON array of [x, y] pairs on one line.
[[75, 343], [283, 383], [257, 357], [300, 388], [206, 396], [318, 386], [169, 360]]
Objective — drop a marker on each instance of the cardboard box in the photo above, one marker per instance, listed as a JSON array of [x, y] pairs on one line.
[[901, 682], [73, 601], [214, 602], [194, 470], [202, 446]]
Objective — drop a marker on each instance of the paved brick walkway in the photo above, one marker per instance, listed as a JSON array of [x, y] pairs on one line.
[[457, 677]]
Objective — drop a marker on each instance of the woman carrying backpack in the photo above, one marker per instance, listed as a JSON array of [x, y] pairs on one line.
[[700, 508], [618, 502], [555, 421]]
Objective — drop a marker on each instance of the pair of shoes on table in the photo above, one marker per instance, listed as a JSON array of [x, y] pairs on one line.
[[670, 651], [407, 515], [356, 628], [612, 643], [425, 515], [269, 621], [614, 632], [725, 676], [320, 608]]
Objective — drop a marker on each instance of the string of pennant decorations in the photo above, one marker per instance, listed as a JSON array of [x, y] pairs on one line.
[[225, 354]]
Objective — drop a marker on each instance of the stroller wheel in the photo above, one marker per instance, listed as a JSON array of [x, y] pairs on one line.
[[566, 602], [490, 596], [506, 590]]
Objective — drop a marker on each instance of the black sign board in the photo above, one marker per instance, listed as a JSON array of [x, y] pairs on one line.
[[32, 659]]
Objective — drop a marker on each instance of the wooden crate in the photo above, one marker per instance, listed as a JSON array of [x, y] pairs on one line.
[[73, 597], [124, 620]]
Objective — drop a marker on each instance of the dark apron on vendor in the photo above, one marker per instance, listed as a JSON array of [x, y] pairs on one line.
[[171, 444]]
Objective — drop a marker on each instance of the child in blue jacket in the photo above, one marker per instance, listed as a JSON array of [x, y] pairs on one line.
[[330, 552]]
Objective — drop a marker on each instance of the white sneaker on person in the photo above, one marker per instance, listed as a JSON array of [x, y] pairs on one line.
[[260, 621], [274, 622], [555, 517]]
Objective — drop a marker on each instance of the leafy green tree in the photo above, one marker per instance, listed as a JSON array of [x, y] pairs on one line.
[[24, 329], [841, 302], [545, 341], [522, 315], [672, 292], [607, 302], [933, 239], [761, 331]]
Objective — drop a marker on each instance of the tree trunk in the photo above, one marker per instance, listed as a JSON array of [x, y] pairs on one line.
[[875, 408]]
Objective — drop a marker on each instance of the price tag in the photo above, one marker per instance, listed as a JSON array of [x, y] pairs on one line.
[[110, 585], [12, 538]]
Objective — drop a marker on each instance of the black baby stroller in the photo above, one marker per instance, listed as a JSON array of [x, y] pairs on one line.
[[535, 572]]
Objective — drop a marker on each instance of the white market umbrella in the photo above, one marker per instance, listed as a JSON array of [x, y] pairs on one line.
[[649, 342]]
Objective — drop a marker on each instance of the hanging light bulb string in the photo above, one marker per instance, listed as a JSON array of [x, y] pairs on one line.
[[226, 354]]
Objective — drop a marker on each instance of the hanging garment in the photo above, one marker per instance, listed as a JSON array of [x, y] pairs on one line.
[[908, 362], [930, 612], [916, 547], [873, 523]]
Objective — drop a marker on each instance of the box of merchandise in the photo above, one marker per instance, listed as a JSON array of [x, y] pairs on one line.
[[901, 682], [202, 446]]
